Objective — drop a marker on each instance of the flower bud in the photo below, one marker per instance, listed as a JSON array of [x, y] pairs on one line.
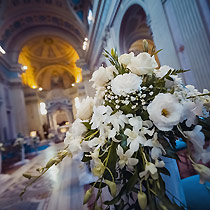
[[204, 172], [50, 163], [99, 169], [88, 195], [142, 199], [112, 187], [28, 176]]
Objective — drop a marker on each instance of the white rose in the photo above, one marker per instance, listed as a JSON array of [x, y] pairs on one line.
[[125, 59], [85, 109], [143, 63], [101, 76], [125, 83], [165, 111], [162, 71]]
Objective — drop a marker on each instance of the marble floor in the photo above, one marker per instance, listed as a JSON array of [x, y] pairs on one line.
[[59, 189]]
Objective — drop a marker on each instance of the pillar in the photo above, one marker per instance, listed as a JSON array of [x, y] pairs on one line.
[[19, 108]]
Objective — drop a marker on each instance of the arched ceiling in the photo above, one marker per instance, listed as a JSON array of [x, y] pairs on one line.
[[62, 16], [51, 63]]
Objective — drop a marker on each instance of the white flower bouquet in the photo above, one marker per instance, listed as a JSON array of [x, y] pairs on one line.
[[135, 118]]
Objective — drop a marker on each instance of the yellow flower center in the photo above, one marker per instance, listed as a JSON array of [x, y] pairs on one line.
[[165, 112]]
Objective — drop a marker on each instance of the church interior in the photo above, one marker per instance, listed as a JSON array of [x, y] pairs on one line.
[[49, 50]]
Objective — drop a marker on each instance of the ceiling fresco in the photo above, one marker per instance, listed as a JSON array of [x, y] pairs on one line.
[[50, 63]]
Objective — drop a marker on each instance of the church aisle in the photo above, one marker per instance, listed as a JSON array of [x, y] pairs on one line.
[[59, 188]]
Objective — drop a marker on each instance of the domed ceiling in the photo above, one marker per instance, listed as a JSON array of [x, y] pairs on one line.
[[51, 63]]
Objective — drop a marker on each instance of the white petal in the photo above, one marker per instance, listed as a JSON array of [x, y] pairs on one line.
[[151, 167], [129, 153], [143, 173], [134, 146], [119, 151], [156, 153], [132, 161]]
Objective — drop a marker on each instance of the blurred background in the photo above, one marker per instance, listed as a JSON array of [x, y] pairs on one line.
[[48, 52]]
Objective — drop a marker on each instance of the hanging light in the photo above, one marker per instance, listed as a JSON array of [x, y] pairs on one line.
[[24, 68]]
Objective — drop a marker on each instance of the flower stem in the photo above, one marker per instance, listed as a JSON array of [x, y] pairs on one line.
[[110, 173]]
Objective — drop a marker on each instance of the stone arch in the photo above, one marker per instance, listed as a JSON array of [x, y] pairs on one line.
[[13, 47], [133, 27], [125, 5]]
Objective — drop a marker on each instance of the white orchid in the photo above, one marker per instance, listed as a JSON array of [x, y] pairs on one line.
[[78, 128], [74, 145], [197, 138], [134, 139], [118, 120], [150, 169], [100, 115], [136, 122], [157, 148], [96, 142], [126, 158], [85, 109], [165, 111]]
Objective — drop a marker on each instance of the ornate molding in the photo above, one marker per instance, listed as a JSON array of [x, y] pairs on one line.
[[34, 20]]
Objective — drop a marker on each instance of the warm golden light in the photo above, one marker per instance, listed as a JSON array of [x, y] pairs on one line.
[[43, 55], [63, 130], [33, 134]]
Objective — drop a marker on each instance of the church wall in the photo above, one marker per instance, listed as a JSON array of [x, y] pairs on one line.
[[191, 38]]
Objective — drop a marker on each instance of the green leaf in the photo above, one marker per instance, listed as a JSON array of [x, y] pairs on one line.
[[87, 125], [98, 185], [114, 200], [111, 164], [85, 158], [126, 109], [131, 182], [120, 206], [158, 51]]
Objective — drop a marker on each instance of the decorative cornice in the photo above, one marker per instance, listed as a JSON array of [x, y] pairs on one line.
[[33, 20]]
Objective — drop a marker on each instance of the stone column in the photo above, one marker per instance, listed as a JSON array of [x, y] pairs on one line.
[[195, 39], [85, 87], [19, 108], [162, 37]]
